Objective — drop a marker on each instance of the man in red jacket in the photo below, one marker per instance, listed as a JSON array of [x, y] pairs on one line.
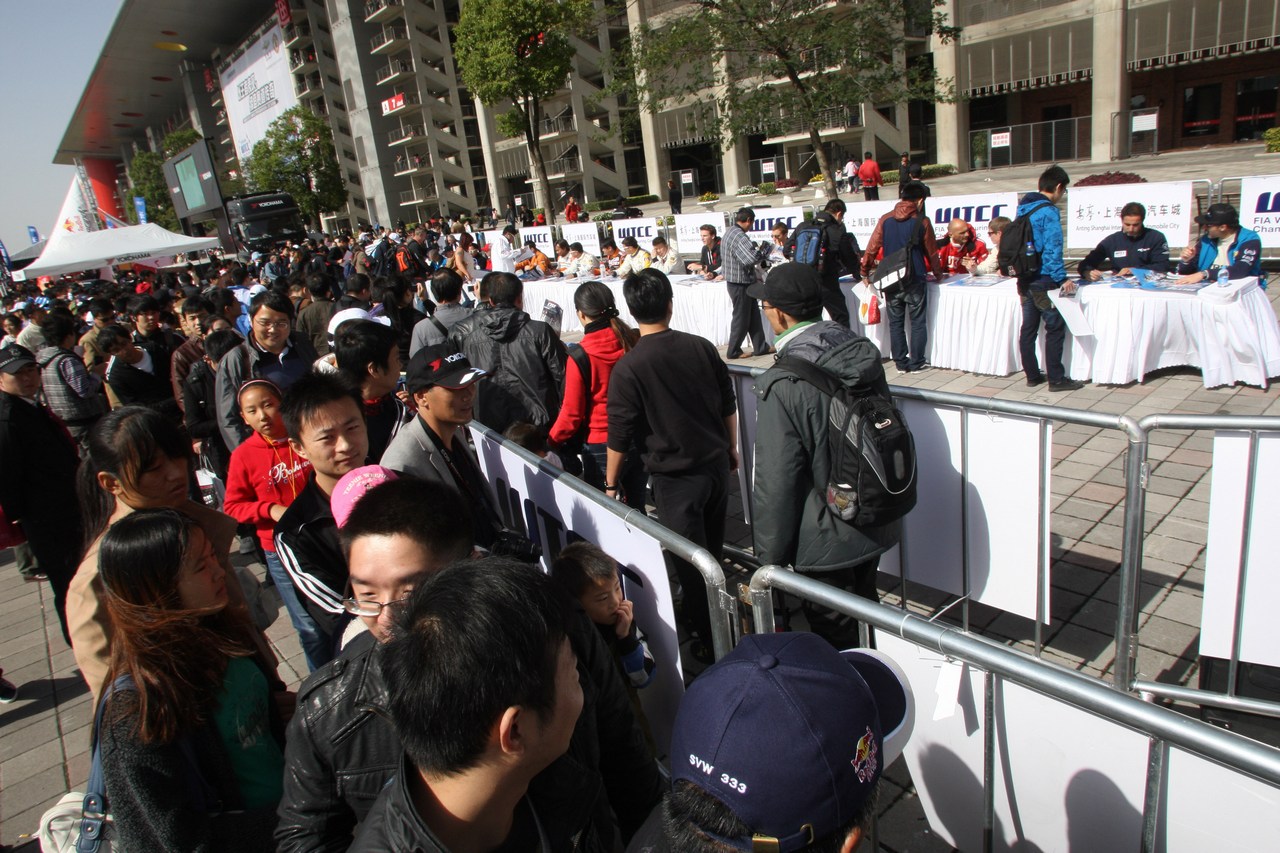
[[963, 251], [869, 174]]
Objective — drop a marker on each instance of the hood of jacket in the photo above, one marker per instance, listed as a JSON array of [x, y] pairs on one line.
[[1029, 200], [602, 344], [904, 210], [47, 354], [503, 322], [834, 348]]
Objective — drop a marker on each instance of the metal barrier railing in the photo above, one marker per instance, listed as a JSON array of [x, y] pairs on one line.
[[1164, 726], [718, 598]]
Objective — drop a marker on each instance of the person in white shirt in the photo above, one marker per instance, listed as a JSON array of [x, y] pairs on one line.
[[665, 259], [581, 264], [995, 228], [562, 259], [634, 258], [505, 250]]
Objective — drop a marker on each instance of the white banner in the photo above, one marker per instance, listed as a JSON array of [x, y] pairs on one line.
[[861, 217], [541, 235], [644, 230], [586, 233], [256, 88], [555, 515], [1260, 631], [688, 237], [1260, 206], [1094, 212], [977, 210], [767, 217]]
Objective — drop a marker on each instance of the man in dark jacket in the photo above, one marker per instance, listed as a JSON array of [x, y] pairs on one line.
[[1134, 246], [792, 523], [38, 487], [134, 375], [342, 747], [898, 227], [523, 357], [158, 342]]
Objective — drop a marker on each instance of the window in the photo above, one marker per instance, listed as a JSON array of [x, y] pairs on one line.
[[1201, 110], [1255, 106]]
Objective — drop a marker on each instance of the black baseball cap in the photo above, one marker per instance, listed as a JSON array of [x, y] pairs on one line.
[[914, 190], [440, 365], [794, 289], [14, 357], [1219, 214]]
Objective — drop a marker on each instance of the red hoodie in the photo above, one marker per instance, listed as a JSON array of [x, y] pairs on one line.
[[263, 473], [603, 351], [972, 249]]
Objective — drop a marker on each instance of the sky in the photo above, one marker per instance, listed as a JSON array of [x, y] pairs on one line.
[[48, 51]]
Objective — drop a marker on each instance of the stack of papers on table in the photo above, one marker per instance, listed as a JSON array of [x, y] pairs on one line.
[[974, 280]]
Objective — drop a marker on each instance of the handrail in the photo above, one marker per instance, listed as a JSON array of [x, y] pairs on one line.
[[700, 558], [1218, 745]]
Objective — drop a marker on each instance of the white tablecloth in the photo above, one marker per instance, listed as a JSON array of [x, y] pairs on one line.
[[1137, 331]]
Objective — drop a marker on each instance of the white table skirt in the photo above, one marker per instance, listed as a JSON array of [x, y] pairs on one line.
[[1137, 331]]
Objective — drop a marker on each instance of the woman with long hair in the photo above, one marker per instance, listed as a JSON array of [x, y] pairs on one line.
[[395, 295], [463, 262], [583, 424], [138, 459], [191, 743]]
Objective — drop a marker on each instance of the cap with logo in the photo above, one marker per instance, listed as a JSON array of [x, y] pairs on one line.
[[794, 289], [791, 735], [440, 365], [15, 357], [1219, 214], [353, 486]]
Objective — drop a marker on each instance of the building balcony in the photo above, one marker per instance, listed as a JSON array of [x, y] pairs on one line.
[[320, 108], [411, 164], [557, 126], [220, 117], [378, 11], [394, 71], [400, 102], [302, 59], [404, 134], [296, 35], [310, 86], [390, 40], [564, 166], [828, 122], [417, 195]]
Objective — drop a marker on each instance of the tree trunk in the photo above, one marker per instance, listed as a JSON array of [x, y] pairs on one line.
[[824, 162], [541, 186]]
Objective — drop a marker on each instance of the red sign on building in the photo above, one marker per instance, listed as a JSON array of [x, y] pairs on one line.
[[395, 102], [284, 12]]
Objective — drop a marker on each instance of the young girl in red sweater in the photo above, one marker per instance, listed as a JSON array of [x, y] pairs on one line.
[[264, 477]]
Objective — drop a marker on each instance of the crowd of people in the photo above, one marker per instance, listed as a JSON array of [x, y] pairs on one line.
[[459, 698]]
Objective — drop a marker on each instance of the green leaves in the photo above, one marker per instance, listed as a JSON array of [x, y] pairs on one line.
[[297, 156]]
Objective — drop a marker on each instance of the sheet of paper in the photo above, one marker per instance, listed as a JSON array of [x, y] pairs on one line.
[[1071, 312]]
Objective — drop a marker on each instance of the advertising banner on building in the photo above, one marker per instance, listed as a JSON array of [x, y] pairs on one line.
[[1094, 212], [688, 236], [256, 88], [555, 515], [1260, 206], [585, 233]]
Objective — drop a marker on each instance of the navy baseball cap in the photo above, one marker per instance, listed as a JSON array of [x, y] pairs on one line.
[[14, 357], [791, 735]]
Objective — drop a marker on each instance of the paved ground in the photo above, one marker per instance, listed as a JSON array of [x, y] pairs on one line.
[[44, 736]]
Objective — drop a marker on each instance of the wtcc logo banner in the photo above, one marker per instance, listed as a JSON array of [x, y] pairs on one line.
[[1260, 205]]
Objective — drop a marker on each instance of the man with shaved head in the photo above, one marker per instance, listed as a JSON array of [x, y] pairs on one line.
[[963, 250]]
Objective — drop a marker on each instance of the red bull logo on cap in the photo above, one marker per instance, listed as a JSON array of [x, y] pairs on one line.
[[864, 758]]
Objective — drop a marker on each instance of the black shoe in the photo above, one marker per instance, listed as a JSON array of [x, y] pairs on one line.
[[1066, 385], [8, 691], [924, 365], [34, 577], [1039, 380]]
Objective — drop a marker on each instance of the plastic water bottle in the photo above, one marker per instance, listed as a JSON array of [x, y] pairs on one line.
[[1223, 278]]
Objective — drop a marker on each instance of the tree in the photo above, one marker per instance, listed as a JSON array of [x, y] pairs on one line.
[[297, 156], [519, 52], [146, 176], [179, 140], [773, 65]]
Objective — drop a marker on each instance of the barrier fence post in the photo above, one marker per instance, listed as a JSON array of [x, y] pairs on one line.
[[1135, 508]]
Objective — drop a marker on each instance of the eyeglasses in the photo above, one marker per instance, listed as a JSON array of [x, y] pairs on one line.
[[370, 609], [271, 324]]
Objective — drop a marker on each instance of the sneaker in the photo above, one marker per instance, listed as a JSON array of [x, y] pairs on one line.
[[1039, 380], [1066, 385], [8, 691]]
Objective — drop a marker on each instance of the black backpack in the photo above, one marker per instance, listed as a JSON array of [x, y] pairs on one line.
[[384, 263], [1018, 255], [570, 450], [873, 456]]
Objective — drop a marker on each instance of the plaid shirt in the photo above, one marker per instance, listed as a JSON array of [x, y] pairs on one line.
[[739, 255]]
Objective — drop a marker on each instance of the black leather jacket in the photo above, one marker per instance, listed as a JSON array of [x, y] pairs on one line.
[[563, 797], [341, 748]]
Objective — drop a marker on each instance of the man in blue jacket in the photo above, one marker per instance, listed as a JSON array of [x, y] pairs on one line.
[[1224, 244], [1046, 230]]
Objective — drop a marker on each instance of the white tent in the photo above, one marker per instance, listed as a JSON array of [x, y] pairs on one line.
[[72, 251]]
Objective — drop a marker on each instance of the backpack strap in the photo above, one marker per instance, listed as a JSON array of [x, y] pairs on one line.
[[580, 358], [823, 380]]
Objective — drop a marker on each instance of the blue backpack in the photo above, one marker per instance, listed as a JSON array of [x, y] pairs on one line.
[[809, 245]]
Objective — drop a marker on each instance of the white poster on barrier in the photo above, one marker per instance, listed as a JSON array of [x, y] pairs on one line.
[[1260, 206], [586, 233], [861, 217], [643, 230], [688, 235], [555, 515], [540, 235], [256, 88], [1260, 630], [1094, 212], [973, 514], [767, 217], [977, 210]]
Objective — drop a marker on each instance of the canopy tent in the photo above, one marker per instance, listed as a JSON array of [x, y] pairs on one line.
[[72, 251]]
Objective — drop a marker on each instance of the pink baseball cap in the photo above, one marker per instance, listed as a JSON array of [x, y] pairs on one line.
[[352, 487]]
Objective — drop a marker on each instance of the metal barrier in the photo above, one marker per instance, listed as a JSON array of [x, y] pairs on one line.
[[1037, 142], [1164, 726], [1137, 475], [700, 558]]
